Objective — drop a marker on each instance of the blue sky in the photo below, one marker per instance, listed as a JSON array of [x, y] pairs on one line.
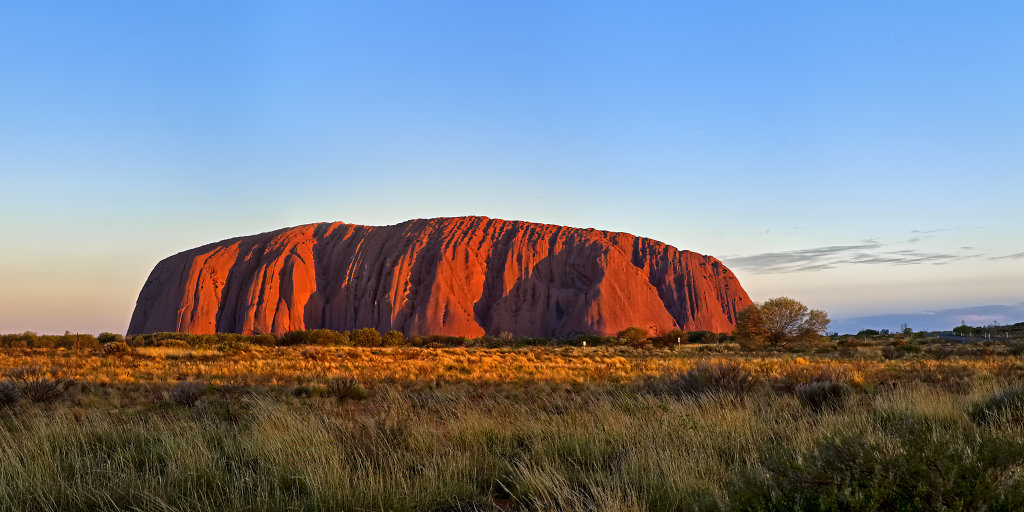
[[863, 157]]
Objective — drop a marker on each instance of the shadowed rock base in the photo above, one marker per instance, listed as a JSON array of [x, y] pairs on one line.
[[462, 276]]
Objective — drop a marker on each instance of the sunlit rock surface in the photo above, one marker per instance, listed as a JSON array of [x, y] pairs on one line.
[[462, 276]]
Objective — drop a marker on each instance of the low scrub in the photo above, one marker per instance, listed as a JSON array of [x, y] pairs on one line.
[[188, 393], [823, 395], [40, 385], [707, 377], [116, 348], [9, 393], [347, 388]]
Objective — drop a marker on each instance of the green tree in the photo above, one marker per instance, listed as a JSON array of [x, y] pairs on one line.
[[963, 330], [779, 322]]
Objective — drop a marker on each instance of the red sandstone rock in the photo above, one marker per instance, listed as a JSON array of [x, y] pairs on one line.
[[463, 276]]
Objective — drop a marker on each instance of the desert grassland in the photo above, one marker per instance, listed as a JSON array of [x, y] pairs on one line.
[[541, 428], [255, 365]]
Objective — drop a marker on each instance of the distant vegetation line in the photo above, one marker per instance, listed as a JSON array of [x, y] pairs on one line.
[[365, 337], [370, 337]]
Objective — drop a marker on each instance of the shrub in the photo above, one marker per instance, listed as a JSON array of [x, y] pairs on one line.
[[109, 337], [1008, 403], [344, 388], [703, 337], [366, 337], [911, 348], [728, 376], [187, 393], [265, 340], [75, 341], [392, 338], [38, 385], [823, 394], [328, 337], [592, 340], [116, 347], [234, 347], [23, 340], [295, 338], [44, 389], [892, 353], [172, 343], [9, 393], [636, 336], [438, 341], [941, 351], [671, 338]]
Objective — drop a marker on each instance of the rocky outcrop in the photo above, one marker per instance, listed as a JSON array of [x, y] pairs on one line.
[[463, 276]]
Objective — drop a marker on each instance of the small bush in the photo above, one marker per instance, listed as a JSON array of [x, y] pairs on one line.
[[9, 393], [727, 376], [823, 394], [366, 337], [116, 347], [912, 348], [1008, 404], [263, 340], [941, 351], [187, 393], [438, 341], [295, 338], [392, 338], [344, 388], [233, 347], [109, 337], [703, 337], [891, 353], [38, 385], [172, 343], [635, 336], [44, 389]]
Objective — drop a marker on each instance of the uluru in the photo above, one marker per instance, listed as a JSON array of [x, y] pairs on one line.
[[460, 276]]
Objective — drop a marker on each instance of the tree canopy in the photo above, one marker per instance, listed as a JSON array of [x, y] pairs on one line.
[[779, 322]]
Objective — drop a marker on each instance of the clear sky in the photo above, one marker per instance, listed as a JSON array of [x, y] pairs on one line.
[[863, 157]]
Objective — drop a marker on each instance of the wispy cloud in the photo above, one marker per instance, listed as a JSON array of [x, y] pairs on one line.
[[1014, 256], [817, 258], [869, 252], [928, 231]]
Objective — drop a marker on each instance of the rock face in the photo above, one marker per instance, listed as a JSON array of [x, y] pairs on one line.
[[463, 276]]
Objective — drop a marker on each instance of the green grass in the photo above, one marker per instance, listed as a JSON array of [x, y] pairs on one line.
[[461, 447]]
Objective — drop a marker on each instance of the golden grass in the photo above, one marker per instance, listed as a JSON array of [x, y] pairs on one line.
[[542, 428], [289, 366]]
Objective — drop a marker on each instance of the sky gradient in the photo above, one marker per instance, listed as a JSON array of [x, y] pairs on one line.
[[863, 157]]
